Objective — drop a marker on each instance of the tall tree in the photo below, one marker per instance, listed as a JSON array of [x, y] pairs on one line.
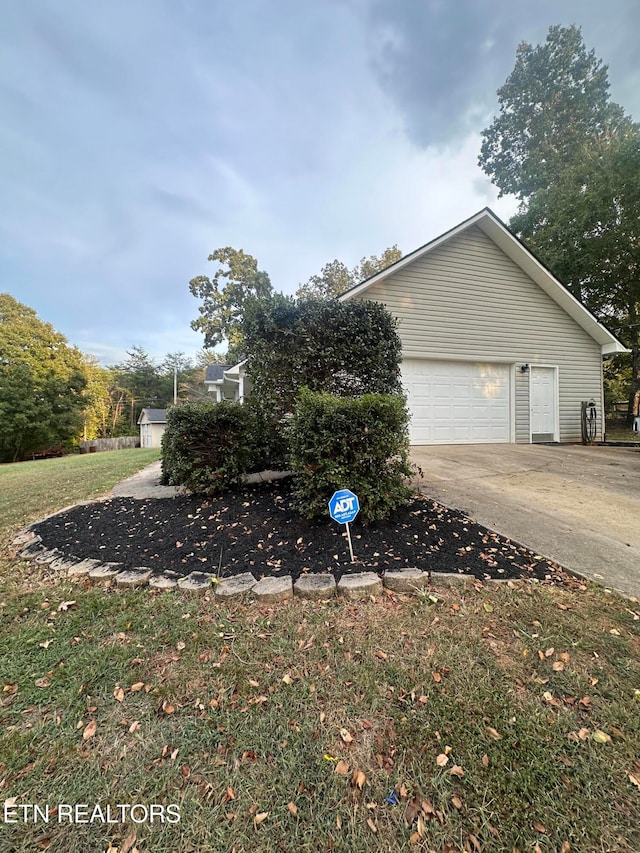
[[375, 264], [572, 158], [332, 280], [335, 277], [223, 297], [556, 98], [98, 415], [205, 357], [141, 378], [42, 380]]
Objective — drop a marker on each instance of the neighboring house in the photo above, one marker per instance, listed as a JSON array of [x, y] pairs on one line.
[[495, 348], [153, 423], [228, 382]]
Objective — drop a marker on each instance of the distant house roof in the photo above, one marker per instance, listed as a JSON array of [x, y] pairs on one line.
[[153, 416], [215, 372]]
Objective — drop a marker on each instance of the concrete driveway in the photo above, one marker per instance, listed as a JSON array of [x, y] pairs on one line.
[[578, 505]]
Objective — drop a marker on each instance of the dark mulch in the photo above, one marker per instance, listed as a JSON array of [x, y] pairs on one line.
[[257, 530]]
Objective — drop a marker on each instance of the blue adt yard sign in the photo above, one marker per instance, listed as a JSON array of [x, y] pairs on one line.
[[344, 506]]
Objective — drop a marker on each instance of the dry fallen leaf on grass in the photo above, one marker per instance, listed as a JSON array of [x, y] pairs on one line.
[[89, 730], [635, 780], [342, 768], [135, 725], [371, 825], [358, 779], [456, 770], [260, 818], [65, 606], [137, 686], [411, 812], [346, 735], [456, 802], [539, 827], [293, 809], [442, 759], [494, 734], [128, 843], [118, 694]]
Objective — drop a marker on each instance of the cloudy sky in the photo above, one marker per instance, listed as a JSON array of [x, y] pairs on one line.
[[137, 136]]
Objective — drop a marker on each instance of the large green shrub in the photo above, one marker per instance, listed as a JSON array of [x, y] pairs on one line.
[[344, 348], [358, 443], [209, 447]]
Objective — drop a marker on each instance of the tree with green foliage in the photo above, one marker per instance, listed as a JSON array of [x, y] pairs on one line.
[[145, 386], [224, 295], [335, 277], [375, 263], [572, 158], [42, 383], [98, 413]]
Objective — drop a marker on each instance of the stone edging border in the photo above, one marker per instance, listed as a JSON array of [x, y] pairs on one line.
[[267, 590]]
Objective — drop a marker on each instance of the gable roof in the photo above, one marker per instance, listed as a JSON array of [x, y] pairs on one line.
[[487, 221], [215, 372], [153, 416]]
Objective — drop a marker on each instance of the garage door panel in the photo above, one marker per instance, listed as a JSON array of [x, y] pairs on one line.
[[457, 402]]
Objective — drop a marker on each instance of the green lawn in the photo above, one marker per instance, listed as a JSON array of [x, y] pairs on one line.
[[507, 718], [617, 430]]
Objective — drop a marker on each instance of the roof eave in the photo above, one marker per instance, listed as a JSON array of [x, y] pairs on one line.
[[614, 348]]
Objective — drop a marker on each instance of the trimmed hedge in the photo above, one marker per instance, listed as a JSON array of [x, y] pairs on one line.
[[343, 348], [209, 447], [359, 443]]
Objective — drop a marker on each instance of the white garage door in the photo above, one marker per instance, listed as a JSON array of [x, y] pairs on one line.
[[453, 402]]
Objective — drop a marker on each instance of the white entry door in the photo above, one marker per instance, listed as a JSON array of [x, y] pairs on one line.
[[543, 398]]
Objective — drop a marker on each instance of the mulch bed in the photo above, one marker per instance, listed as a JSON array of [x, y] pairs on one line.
[[257, 530]]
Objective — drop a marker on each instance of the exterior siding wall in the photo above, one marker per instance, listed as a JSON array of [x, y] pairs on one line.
[[157, 431], [522, 407], [467, 300]]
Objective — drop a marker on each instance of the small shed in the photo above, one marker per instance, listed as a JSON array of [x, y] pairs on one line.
[[153, 423]]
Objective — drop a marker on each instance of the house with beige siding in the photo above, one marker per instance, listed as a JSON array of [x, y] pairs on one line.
[[495, 348]]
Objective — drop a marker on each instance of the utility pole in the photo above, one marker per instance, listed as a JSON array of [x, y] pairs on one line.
[[175, 384]]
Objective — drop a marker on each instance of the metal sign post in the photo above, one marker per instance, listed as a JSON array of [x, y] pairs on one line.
[[343, 508]]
